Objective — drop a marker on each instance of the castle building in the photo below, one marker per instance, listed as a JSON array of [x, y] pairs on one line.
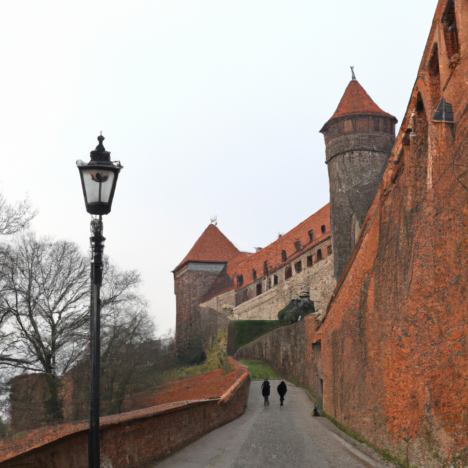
[[359, 139], [215, 276]]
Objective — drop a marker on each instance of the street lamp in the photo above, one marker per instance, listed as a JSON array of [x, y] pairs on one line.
[[98, 180]]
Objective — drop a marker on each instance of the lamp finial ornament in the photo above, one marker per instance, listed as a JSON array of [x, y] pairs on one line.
[[100, 147], [353, 75]]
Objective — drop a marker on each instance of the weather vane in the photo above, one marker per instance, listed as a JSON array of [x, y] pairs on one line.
[[354, 76], [214, 220]]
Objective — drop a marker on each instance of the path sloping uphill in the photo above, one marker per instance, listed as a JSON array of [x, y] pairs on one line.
[[274, 437]]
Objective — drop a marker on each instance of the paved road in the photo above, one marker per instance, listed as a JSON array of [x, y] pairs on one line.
[[273, 437]]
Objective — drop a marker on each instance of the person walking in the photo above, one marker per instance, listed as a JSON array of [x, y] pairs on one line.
[[282, 389], [266, 392]]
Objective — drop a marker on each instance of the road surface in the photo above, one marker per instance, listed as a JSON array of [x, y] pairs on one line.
[[274, 437]]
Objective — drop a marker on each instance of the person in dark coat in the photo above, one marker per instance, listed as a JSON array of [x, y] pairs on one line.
[[266, 392], [282, 391], [315, 412]]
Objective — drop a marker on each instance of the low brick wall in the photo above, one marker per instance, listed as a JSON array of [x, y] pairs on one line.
[[137, 438], [294, 351]]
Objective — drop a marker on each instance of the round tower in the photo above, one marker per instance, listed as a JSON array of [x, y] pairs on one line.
[[359, 139]]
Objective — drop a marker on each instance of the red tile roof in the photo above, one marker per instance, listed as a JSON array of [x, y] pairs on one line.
[[272, 253], [212, 246], [356, 101]]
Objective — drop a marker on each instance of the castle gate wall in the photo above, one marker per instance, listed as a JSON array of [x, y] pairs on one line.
[[395, 357]]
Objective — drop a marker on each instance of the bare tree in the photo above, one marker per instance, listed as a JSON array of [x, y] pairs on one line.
[[44, 308], [15, 217]]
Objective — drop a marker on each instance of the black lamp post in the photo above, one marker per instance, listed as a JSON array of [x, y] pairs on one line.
[[98, 179]]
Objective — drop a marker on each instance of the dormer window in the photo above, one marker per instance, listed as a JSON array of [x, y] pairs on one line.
[[283, 255], [311, 235], [240, 281], [254, 274], [324, 229], [265, 268], [297, 244]]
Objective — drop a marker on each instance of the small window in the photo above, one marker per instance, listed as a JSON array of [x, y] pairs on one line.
[[329, 250], [311, 236], [319, 255], [309, 261], [275, 280], [298, 267], [240, 281], [244, 296], [283, 255], [259, 289], [324, 229], [265, 268], [254, 274], [288, 273], [269, 283], [297, 244]]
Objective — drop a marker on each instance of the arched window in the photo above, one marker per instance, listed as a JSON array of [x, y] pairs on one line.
[[283, 255]]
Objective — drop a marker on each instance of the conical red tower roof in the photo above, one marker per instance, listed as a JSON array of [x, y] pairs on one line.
[[212, 246], [356, 101]]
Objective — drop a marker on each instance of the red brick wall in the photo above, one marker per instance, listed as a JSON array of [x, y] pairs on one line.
[[289, 351], [26, 402], [395, 354], [190, 289], [137, 438]]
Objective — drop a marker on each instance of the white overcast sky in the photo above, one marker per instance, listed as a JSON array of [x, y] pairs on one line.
[[212, 106]]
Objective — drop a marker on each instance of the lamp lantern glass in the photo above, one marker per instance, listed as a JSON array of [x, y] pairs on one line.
[[98, 180]]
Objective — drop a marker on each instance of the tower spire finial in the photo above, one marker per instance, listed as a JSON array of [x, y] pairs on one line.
[[354, 76]]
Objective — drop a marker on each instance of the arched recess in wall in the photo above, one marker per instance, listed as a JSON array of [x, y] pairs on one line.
[[449, 21], [421, 162], [434, 76]]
